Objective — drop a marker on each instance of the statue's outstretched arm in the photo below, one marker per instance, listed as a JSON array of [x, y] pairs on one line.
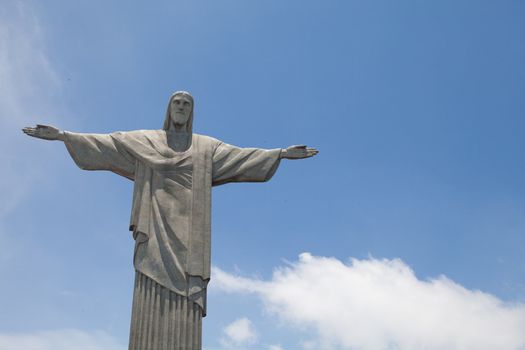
[[90, 151], [45, 132], [298, 152]]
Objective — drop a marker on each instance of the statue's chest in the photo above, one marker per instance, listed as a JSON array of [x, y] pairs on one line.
[[174, 173]]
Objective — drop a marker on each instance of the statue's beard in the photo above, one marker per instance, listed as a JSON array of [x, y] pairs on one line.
[[179, 120]]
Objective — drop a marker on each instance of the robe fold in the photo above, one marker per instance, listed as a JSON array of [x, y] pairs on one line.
[[170, 215]]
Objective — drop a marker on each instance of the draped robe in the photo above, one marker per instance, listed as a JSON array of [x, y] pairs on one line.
[[170, 215]]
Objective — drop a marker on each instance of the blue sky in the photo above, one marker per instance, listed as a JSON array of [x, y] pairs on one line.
[[417, 108]]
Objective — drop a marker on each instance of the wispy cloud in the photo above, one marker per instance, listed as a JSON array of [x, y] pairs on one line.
[[240, 332], [275, 347], [30, 93], [65, 339], [380, 304], [29, 82], [30, 89]]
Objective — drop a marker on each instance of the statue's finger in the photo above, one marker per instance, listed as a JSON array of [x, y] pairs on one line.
[[311, 154], [40, 126], [299, 146]]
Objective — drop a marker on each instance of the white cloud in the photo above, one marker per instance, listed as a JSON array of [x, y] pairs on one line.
[[66, 339], [239, 332], [275, 347], [29, 82], [380, 304], [30, 92]]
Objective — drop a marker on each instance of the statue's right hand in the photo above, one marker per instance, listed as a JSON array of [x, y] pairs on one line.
[[45, 132]]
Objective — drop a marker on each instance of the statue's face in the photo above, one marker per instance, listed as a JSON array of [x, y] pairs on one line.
[[180, 109]]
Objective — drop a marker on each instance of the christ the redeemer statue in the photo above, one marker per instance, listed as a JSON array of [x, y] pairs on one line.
[[173, 171]]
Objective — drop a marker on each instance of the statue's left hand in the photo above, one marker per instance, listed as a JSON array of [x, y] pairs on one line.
[[298, 152]]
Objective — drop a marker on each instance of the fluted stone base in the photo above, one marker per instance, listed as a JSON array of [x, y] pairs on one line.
[[162, 319]]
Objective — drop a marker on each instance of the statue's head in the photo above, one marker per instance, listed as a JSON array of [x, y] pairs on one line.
[[179, 111]]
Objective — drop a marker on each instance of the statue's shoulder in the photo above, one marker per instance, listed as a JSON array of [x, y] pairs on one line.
[[211, 141], [139, 134], [159, 136]]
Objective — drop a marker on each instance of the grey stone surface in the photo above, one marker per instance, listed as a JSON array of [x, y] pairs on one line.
[[173, 170]]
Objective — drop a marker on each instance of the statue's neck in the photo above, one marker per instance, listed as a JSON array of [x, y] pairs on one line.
[[178, 128], [178, 140]]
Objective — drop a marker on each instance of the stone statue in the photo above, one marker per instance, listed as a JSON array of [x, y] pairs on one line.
[[173, 171]]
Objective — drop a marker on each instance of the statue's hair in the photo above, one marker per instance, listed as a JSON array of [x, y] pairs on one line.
[[189, 123]]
